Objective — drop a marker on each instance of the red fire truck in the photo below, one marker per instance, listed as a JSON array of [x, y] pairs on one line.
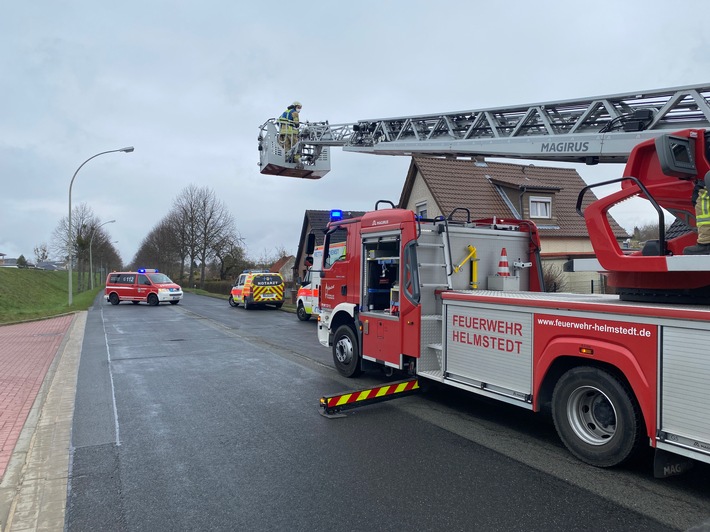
[[461, 301]]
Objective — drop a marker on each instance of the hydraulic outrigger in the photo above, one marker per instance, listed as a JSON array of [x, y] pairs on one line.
[[333, 405]]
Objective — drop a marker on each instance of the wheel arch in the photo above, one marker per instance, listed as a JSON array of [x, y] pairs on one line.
[[614, 359], [343, 314]]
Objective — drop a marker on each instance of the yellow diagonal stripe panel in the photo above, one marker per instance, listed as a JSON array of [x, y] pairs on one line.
[[343, 399], [382, 391], [363, 395]]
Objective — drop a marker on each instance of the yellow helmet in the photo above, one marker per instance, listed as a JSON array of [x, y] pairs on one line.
[[297, 104]]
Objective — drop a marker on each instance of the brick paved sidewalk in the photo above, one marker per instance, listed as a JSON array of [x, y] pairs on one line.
[[27, 350]]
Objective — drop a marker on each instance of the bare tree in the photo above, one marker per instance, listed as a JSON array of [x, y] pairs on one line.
[[105, 256], [553, 277], [83, 222], [161, 249], [187, 215], [268, 258], [215, 225], [648, 232], [230, 257], [41, 253]]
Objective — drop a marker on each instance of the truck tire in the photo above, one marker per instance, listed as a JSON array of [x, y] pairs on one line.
[[153, 300], [114, 299], [346, 353], [232, 302], [301, 313], [247, 305], [597, 416]]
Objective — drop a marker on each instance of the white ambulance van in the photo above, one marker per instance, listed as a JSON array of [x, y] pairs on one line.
[[307, 296]]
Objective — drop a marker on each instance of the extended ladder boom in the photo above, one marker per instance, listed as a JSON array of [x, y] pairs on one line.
[[591, 130]]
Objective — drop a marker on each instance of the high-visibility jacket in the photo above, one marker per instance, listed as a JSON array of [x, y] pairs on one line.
[[702, 208], [289, 121]]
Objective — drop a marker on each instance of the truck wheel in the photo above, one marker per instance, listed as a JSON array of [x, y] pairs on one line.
[[597, 417], [153, 300], [346, 354], [113, 299], [301, 313], [232, 302], [247, 305], [279, 305]]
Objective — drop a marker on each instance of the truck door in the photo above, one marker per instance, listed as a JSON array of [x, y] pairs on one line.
[[380, 310], [142, 287]]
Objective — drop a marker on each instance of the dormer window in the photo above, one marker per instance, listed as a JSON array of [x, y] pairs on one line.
[[540, 207]]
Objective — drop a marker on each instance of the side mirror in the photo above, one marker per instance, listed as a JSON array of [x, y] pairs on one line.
[[308, 261], [310, 244]]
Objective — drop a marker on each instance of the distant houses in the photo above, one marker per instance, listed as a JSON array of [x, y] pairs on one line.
[[51, 265]]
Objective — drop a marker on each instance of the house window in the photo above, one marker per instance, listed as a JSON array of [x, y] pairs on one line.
[[540, 207], [421, 209]]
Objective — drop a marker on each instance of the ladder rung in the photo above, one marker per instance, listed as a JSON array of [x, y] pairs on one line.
[[435, 346], [443, 285], [432, 317], [429, 245], [432, 264]]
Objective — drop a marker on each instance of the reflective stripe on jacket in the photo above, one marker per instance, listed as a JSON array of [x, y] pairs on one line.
[[289, 121], [702, 208]]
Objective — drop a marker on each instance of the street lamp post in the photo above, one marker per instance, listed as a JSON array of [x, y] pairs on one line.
[[91, 260], [128, 149]]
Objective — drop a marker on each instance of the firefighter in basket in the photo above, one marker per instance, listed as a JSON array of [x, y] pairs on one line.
[[701, 198], [288, 127]]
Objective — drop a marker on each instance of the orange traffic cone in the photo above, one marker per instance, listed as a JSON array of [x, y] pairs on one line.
[[503, 270]]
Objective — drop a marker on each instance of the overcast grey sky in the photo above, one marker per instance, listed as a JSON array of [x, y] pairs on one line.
[[189, 83]]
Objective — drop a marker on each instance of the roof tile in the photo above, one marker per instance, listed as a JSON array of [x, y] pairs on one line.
[[464, 183]]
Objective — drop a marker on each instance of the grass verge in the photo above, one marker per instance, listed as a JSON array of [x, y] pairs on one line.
[[35, 294]]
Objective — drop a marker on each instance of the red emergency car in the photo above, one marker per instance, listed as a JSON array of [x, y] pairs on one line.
[[148, 286]]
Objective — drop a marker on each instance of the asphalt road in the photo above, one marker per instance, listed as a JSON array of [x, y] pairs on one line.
[[201, 416]]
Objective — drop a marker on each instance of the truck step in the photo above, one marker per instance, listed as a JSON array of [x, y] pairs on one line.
[[433, 374]]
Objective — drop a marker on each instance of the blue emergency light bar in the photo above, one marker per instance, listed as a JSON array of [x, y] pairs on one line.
[[336, 215], [143, 270]]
